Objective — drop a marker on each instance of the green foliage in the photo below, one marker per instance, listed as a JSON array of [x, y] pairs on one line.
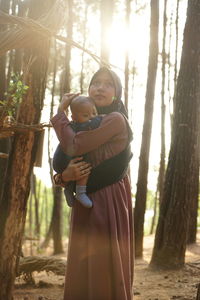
[[16, 90]]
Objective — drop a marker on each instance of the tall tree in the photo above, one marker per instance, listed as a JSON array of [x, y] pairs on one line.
[[36, 197], [18, 53], [56, 220], [126, 72], [163, 107], [194, 200], [4, 6], [107, 8], [84, 43], [4, 143], [66, 77], [64, 87], [141, 192], [177, 39], [182, 174], [22, 156]]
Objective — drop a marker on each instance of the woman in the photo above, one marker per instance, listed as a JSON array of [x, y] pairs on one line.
[[100, 254]]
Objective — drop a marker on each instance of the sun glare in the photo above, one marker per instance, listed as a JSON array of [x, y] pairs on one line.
[[134, 40]]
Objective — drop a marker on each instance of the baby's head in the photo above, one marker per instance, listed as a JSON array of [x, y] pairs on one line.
[[83, 109]]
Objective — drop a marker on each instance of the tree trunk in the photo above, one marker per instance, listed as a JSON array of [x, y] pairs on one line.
[[192, 227], [4, 6], [17, 187], [141, 192], [57, 191], [198, 292], [170, 68], [48, 229], [126, 73], [4, 143], [55, 229], [36, 197], [18, 54], [30, 218], [176, 55], [153, 222], [4, 148], [48, 236], [194, 199], [66, 77], [82, 76], [177, 39], [182, 175], [163, 108], [107, 8], [57, 221]]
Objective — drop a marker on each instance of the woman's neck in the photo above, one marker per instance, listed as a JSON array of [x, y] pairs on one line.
[[116, 105], [104, 110]]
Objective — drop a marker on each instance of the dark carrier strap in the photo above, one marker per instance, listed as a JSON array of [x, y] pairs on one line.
[[106, 173], [109, 171]]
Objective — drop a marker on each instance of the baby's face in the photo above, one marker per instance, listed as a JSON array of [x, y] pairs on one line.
[[85, 112]]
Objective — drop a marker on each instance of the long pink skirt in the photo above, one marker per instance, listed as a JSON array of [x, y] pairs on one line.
[[100, 255]]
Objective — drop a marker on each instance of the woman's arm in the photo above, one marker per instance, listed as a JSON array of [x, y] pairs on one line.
[[77, 169], [60, 160], [83, 142]]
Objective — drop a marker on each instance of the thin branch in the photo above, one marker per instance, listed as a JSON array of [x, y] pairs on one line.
[[32, 31]]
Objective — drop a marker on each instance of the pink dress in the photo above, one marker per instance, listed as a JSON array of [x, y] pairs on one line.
[[100, 256]]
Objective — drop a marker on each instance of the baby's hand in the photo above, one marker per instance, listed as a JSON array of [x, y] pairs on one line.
[[66, 100]]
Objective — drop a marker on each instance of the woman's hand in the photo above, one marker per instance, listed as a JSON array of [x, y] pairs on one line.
[[76, 170], [66, 100]]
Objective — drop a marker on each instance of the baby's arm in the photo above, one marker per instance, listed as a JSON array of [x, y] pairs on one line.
[[86, 141]]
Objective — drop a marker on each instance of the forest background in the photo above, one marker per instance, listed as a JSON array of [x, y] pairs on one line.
[[51, 48]]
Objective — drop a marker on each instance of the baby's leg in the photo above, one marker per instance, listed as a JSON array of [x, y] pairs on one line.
[[81, 195], [82, 181]]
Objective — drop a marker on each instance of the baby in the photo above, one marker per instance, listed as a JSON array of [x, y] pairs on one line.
[[84, 117]]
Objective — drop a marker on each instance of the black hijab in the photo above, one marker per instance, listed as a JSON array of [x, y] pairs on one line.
[[117, 104]]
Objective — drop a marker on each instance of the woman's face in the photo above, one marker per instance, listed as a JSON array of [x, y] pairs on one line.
[[102, 89]]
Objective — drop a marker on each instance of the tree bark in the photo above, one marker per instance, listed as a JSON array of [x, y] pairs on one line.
[[177, 39], [182, 174], [198, 292], [141, 192], [163, 108], [18, 53], [4, 6], [36, 197], [57, 220], [20, 165], [4, 143], [192, 227], [153, 222]]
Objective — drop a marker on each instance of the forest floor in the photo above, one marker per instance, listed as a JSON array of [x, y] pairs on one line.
[[148, 284]]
